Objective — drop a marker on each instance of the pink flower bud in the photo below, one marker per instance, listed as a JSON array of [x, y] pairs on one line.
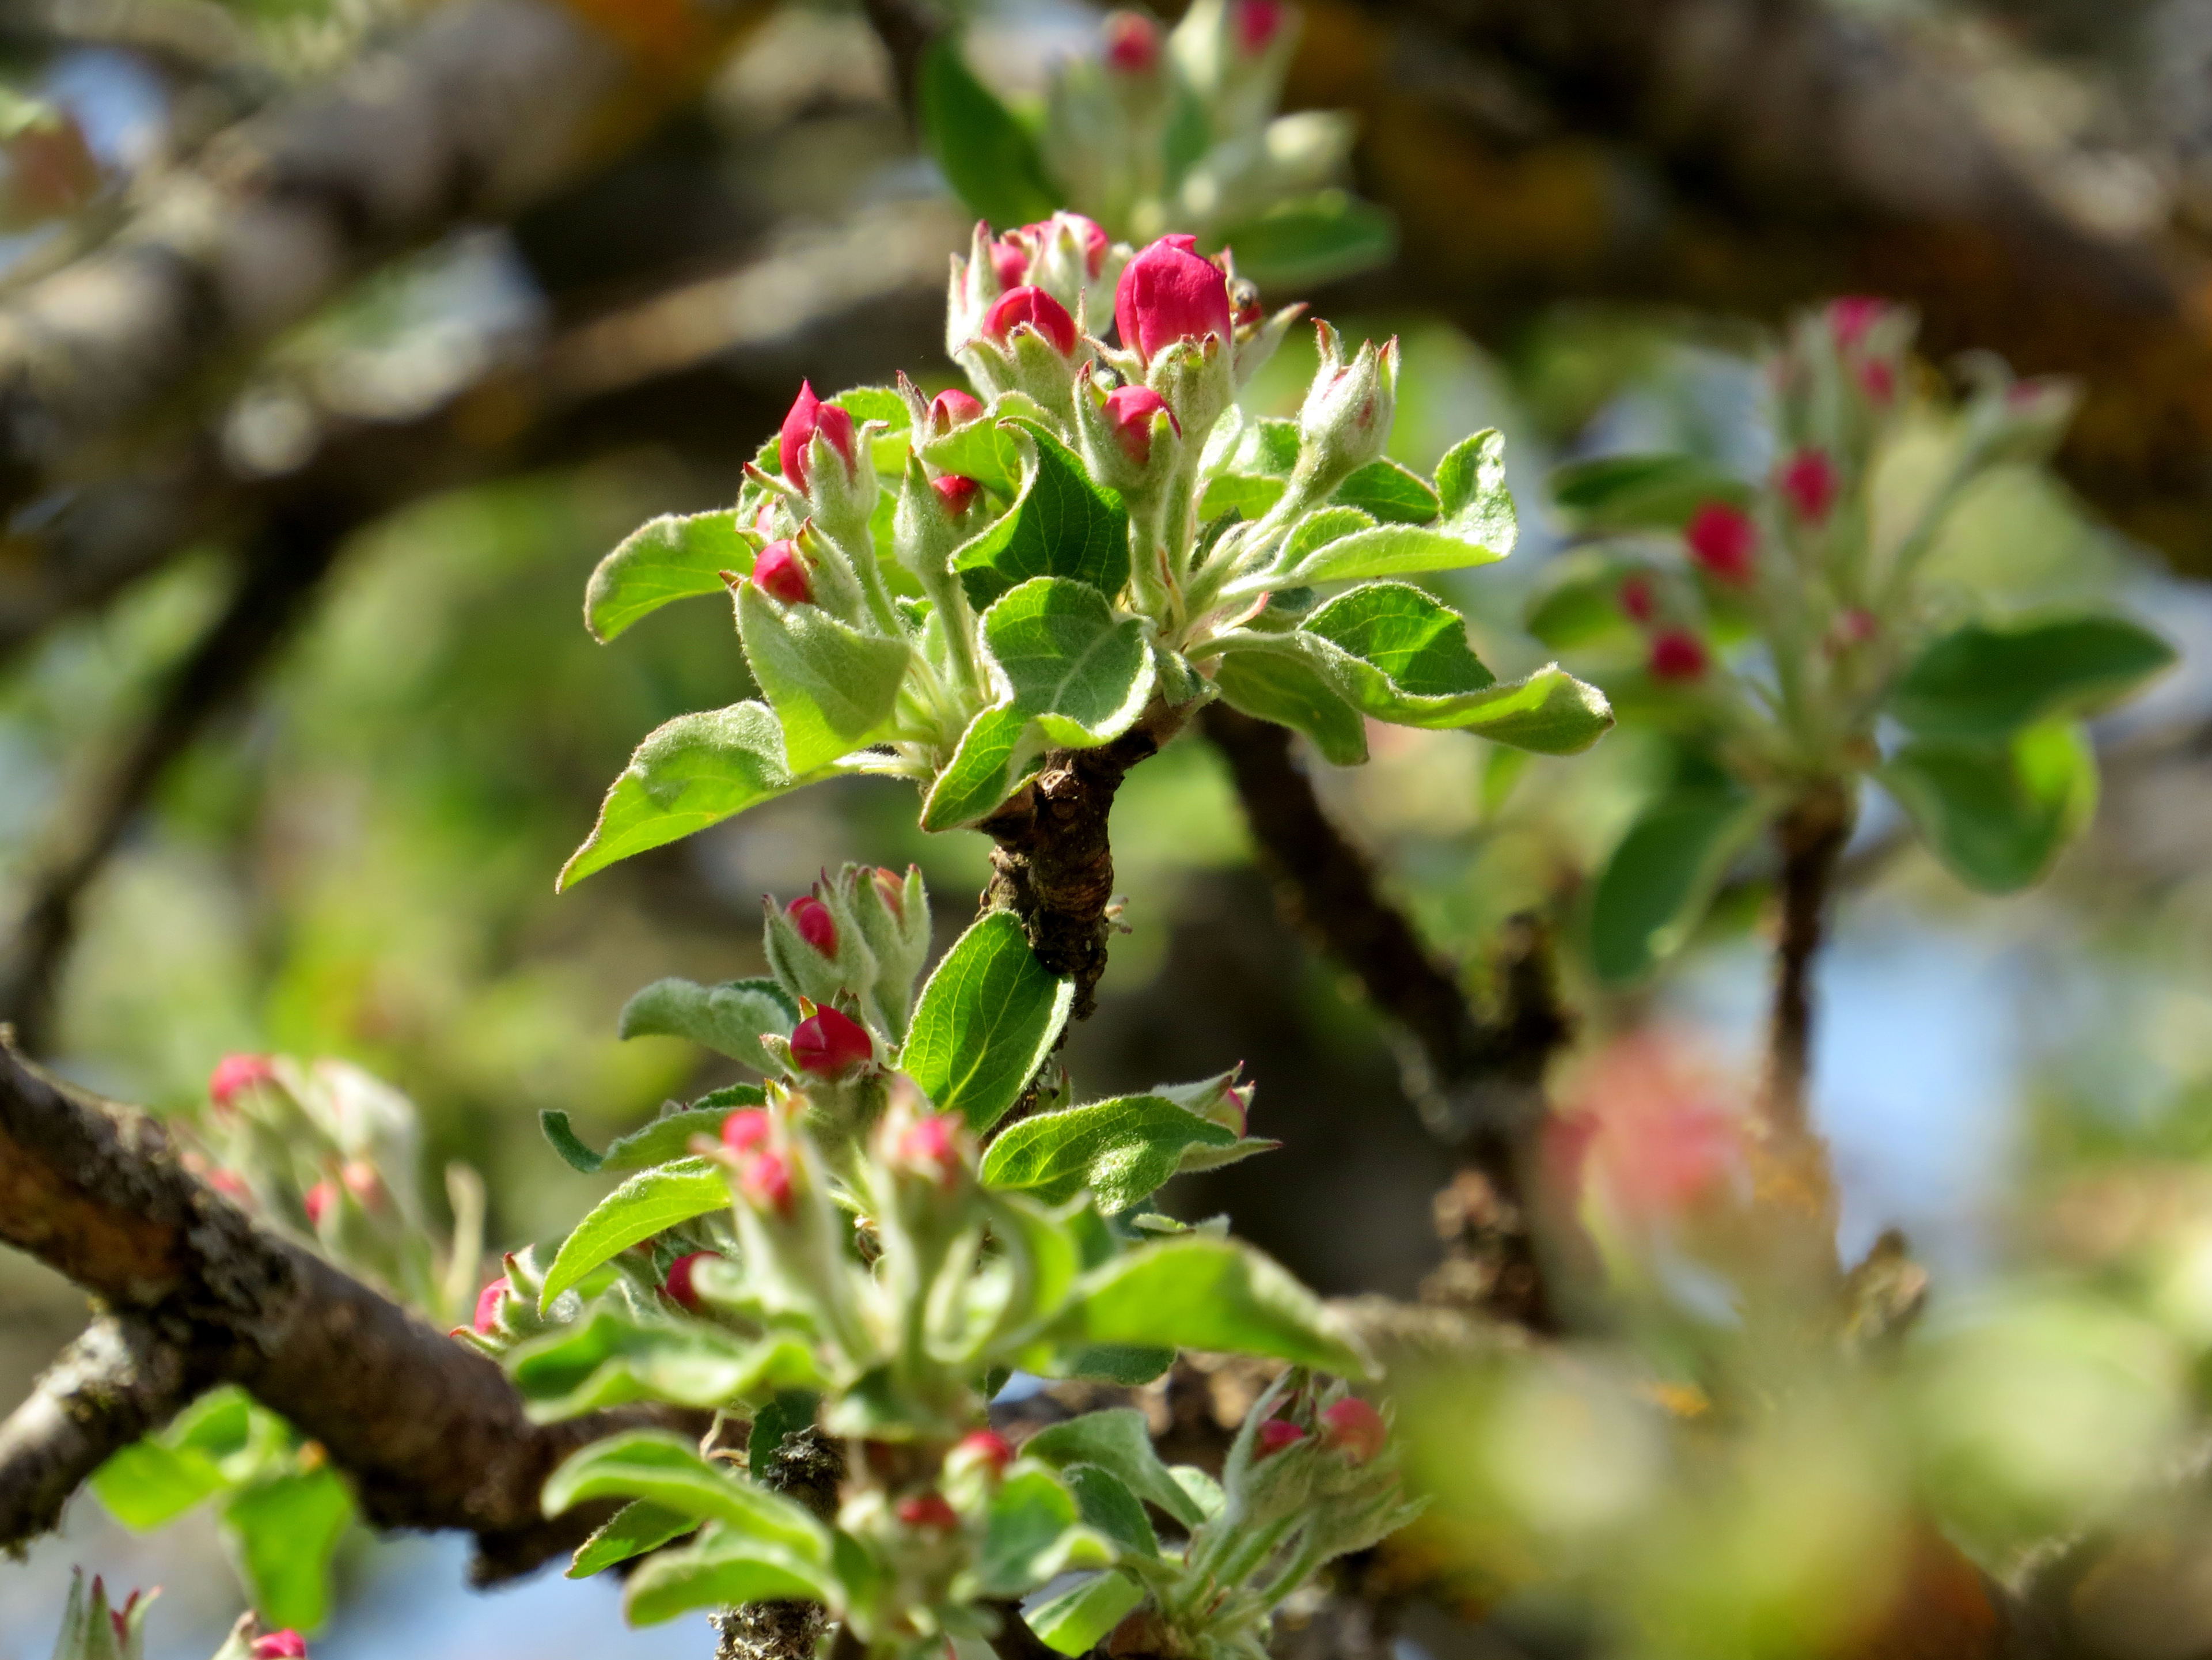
[[1855, 627], [317, 1201], [1129, 411], [745, 1130], [766, 1181], [890, 887], [1094, 242], [1167, 294], [488, 1302], [1257, 23], [286, 1645], [1637, 598], [1722, 539], [1677, 654], [678, 1284], [1878, 379], [1355, 1428], [1010, 261], [928, 1510], [1276, 1434], [1809, 482], [827, 1044], [361, 1181], [778, 573], [810, 415], [1851, 316], [932, 1145], [988, 1448], [957, 494], [814, 922], [229, 1185], [952, 408], [1133, 43], [237, 1073], [1036, 309]]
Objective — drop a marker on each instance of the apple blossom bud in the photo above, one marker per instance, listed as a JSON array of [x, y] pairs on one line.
[[1169, 293], [488, 1302], [235, 1073], [809, 415], [1852, 315], [1037, 310], [1854, 627], [828, 1044], [1257, 23], [317, 1201], [1678, 654], [745, 1130], [1878, 379], [1276, 1434], [230, 1185], [362, 1181], [1637, 598], [765, 1180], [814, 922], [1809, 482], [1133, 43], [1009, 262], [678, 1284], [1129, 412], [778, 573], [890, 887], [1095, 241], [952, 408], [931, 1145], [928, 1510], [957, 494], [1355, 1428], [1721, 537], [1344, 422], [986, 1448], [286, 1645]]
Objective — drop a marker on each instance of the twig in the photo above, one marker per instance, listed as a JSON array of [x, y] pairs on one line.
[[288, 562], [432, 1434], [1810, 837]]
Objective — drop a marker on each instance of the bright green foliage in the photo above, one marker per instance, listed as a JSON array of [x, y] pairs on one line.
[[663, 559], [1662, 875], [987, 1018]]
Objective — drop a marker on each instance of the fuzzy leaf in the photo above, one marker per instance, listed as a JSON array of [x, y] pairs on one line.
[[692, 772], [674, 556], [283, 1534], [1656, 884], [1389, 494], [1076, 1620], [609, 1360], [1061, 525], [723, 1567], [648, 1203], [985, 154], [1123, 1150], [1278, 680], [985, 768], [1110, 1508], [667, 1470], [1243, 494], [730, 1020], [1985, 682], [1996, 814], [1196, 1291], [1641, 492], [834, 688], [983, 450], [1118, 1440], [1032, 1533], [663, 1140], [985, 1022], [1387, 550], [636, 1529], [1081, 674]]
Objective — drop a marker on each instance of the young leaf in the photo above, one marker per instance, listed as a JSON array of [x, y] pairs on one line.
[[1118, 1440], [723, 1567], [1075, 1620], [1659, 879], [985, 154], [636, 1528], [1390, 550], [693, 771], [609, 1360], [1196, 1291], [666, 1139], [985, 1022], [1031, 1533], [730, 1020], [1985, 682], [648, 1203], [283, 1534], [1471, 489], [1080, 674], [1312, 240], [875, 404], [1109, 1508], [1416, 643], [1123, 1150], [1390, 493], [672, 557], [1061, 525], [1284, 679], [985, 768], [983, 450], [834, 688], [1641, 492], [1996, 814], [149, 1484], [665, 1468]]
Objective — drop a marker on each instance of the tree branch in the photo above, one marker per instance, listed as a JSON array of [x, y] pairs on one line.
[[1810, 837], [431, 1434]]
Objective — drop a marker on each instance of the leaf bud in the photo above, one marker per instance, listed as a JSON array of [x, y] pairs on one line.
[[1678, 655], [1132, 43], [1275, 1435], [1355, 1428], [234, 1074], [779, 573], [1131, 413], [814, 922], [1810, 482], [928, 1510], [1169, 292], [747, 1130], [952, 408], [1723, 540], [828, 1044], [1032, 308], [811, 419], [678, 1284]]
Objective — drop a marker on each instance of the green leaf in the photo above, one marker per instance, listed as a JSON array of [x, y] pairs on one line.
[[283, 1534], [1413, 641], [1281, 681], [985, 768], [985, 154], [693, 771], [724, 1567], [1389, 493], [1121, 1441], [1579, 605], [1061, 525], [1109, 1508], [1076, 1620], [1080, 673], [650, 1202], [875, 404], [1996, 814], [984, 450], [730, 1020], [1132, 1365], [1641, 492], [631, 1531], [1986, 681], [1470, 488], [1313, 240], [666, 1139], [609, 1360], [834, 688], [1243, 493], [149, 1484], [1388, 550], [985, 1022], [1196, 1291], [1660, 879], [1033, 1532], [672, 557], [667, 1470], [1123, 1150]]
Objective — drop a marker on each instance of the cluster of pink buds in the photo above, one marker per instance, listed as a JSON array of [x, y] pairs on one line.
[[1810, 482], [1675, 655], [763, 1173], [234, 1074], [1722, 540]]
